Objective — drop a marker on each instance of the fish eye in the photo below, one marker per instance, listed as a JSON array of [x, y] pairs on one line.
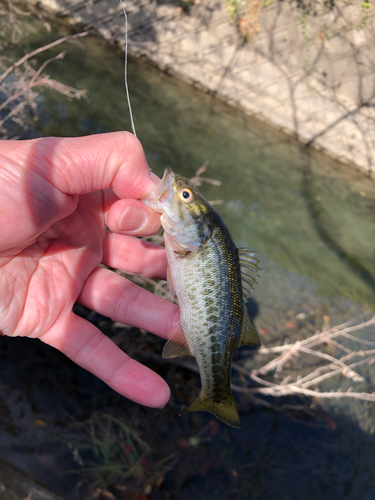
[[185, 195]]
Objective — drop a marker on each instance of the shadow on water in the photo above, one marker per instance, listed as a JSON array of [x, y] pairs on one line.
[[315, 233], [325, 232]]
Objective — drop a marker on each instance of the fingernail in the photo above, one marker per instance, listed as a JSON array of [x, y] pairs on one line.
[[132, 219]]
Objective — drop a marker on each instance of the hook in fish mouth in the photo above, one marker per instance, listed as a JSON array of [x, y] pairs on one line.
[[159, 194]]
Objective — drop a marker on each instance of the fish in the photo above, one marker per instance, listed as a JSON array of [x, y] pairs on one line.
[[212, 280]]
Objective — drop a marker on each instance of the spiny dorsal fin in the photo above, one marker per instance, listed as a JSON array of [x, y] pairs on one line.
[[249, 267], [248, 335], [176, 345]]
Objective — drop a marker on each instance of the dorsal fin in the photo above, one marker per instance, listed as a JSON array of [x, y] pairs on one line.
[[248, 335], [249, 267], [176, 345]]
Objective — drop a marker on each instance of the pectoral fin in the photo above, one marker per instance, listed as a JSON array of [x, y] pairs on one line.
[[170, 283], [176, 345]]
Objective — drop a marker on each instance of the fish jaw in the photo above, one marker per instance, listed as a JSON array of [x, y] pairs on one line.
[[176, 220], [162, 194]]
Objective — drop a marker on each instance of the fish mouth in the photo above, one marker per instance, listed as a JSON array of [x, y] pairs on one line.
[[161, 193]]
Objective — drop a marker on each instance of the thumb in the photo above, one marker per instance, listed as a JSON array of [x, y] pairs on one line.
[[85, 164], [43, 178]]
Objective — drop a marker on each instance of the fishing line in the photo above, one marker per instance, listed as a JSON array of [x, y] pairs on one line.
[[126, 68]]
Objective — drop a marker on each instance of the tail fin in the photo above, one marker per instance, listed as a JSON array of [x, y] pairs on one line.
[[225, 410]]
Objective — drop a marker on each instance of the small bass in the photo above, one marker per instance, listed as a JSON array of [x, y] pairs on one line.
[[212, 280]]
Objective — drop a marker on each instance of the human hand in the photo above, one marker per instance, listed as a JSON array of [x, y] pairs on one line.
[[56, 197]]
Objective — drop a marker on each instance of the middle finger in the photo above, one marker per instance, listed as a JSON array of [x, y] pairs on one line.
[[134, 256]]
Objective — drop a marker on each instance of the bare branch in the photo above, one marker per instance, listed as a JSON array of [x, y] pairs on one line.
[[39, 50]]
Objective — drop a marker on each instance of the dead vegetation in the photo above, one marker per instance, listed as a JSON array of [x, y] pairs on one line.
[[22, 79], [331, 358]]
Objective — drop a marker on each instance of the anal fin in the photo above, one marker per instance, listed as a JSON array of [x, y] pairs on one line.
[[248, 335], [176, 345]]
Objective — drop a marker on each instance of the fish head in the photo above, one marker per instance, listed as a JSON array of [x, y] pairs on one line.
[[186, 215]]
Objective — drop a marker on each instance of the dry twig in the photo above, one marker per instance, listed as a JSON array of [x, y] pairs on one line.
[[330, 366]]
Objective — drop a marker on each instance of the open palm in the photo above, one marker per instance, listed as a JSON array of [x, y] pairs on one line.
[[56, 198]]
